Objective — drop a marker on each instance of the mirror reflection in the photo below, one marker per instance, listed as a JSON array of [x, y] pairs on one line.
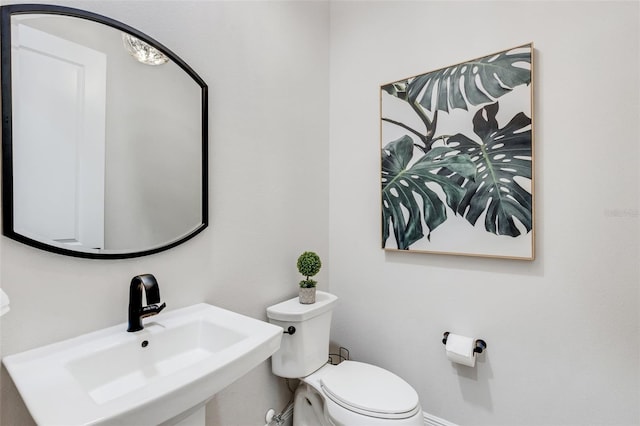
[[107, 150]]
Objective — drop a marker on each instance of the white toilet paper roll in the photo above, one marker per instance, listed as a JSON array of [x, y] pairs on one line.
[[460, 349]]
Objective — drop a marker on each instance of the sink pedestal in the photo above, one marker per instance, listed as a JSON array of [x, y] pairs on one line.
[[196, 418]]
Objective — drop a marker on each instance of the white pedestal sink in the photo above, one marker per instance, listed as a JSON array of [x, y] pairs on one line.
[[158, 375]]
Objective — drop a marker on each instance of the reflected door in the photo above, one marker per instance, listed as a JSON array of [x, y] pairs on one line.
[[59, 117]]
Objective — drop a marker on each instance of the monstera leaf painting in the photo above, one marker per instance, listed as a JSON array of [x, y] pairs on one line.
[[457, 158]]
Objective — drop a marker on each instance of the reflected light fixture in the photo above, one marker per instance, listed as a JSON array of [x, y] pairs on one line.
[[142, 51]]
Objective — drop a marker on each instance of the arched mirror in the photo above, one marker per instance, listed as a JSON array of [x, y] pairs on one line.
[[104, 136]]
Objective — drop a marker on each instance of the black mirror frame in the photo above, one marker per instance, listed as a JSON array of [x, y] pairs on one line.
[[7, 132]]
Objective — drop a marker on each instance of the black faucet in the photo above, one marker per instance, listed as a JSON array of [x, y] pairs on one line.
[[136, 310]]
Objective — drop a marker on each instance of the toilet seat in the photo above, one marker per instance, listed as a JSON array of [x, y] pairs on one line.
[[369, 390]]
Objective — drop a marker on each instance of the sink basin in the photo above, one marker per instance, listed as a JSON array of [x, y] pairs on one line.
[[174, 365]]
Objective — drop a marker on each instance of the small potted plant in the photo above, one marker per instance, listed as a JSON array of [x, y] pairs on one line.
[[308, 265]]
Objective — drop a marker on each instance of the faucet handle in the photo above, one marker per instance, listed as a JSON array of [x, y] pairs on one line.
[[152, 309]]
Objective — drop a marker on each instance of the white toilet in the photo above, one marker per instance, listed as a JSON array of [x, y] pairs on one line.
[[348, 394]]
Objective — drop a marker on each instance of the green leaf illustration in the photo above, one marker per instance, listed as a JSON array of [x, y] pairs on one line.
[[471, 83], [406, 196], [503, 154]]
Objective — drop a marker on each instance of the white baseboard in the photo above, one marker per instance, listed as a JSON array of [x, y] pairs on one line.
[[431, 420]]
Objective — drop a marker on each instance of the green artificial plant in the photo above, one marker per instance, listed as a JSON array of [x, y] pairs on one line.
[[308, 265]]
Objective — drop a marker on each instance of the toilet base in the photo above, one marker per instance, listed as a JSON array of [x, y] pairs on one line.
[[309, 408]]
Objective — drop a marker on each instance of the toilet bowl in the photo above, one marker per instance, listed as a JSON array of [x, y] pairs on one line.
[[348, 394], [355, 394]]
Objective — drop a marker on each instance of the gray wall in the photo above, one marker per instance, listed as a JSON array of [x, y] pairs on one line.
[[268, 192], [562, 331]]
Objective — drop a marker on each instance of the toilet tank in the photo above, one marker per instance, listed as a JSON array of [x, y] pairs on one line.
[[306, 350]]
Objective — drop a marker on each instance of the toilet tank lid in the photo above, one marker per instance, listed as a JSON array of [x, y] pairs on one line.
[[293, 311]]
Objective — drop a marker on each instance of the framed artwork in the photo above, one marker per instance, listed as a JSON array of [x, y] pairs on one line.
[[457, 158]]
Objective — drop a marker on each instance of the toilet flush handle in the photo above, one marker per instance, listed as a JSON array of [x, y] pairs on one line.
[[290, 330]]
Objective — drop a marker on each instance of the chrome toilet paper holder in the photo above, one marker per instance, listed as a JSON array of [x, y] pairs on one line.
[[481, 345]]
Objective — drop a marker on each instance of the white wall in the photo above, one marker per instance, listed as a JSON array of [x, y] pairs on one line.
[[563, 330], [268, 192]]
